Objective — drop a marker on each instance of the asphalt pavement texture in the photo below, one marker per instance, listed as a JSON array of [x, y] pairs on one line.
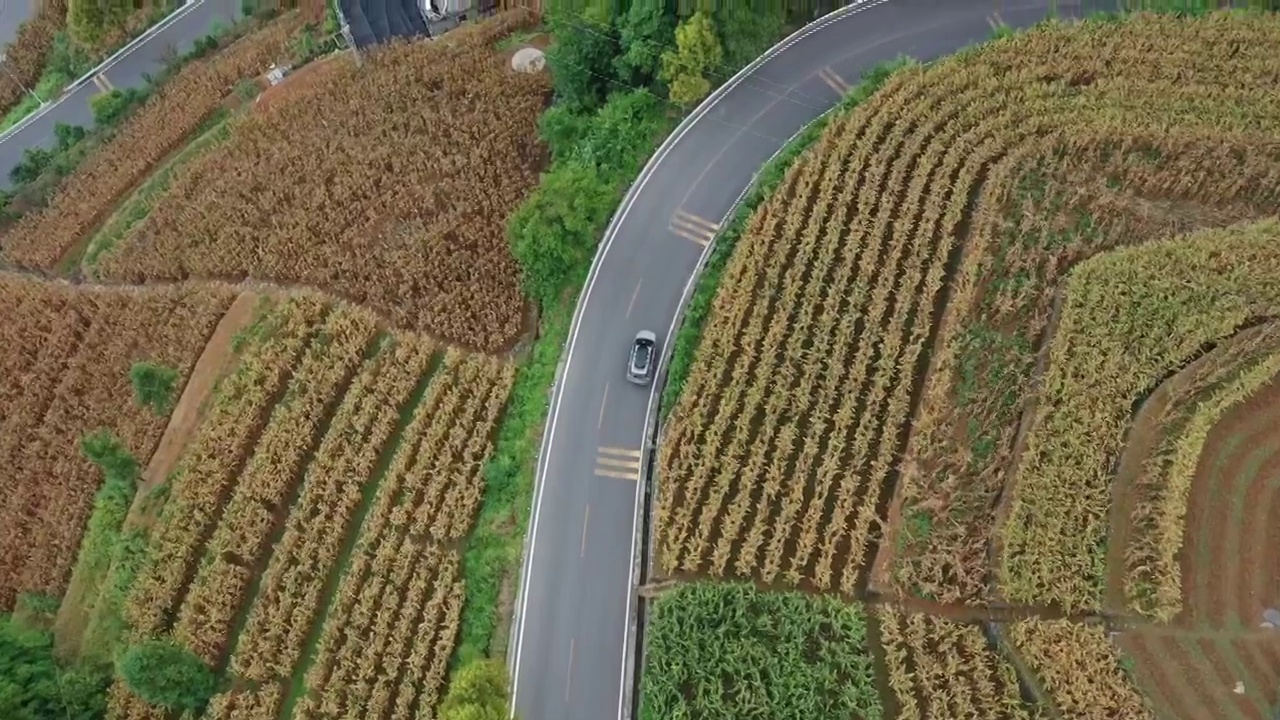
[[145, 59], [12, 14], [571, 635]]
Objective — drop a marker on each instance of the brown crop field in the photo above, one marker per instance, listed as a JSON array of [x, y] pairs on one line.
[[334, 472], [86, 197], [395, 197], [999, 349], [65, 358], [938, 669], [24, 58]]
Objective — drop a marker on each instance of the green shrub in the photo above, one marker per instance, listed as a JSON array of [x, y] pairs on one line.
[[34, 687], [556, 229], [154, 386], [478, 692], [168, 675], [110, 108]]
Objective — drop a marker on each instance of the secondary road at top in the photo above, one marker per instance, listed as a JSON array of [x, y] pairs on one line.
[[577, 589], [146, 58]]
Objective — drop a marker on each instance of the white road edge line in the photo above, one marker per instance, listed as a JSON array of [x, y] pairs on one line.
[[548, 438], [107, 64], [666, 355]]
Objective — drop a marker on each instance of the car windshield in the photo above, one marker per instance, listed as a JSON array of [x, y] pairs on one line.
[[642, 353]]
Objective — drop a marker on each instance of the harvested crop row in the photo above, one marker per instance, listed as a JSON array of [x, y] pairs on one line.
[[940, 669], [1120, 162], [402, 582], [1188, 410], [211, 463], [261, 703], [266, 484], [784, 656], [396, 197], [1080, 669], [166, 121], [1128, 316], [24, 58], [66, 353], [882, 266], [343, 468]]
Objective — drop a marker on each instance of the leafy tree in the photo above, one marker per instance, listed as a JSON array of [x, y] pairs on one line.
[[166, 674], [34, 161], [105, 450], [153, 386], [643, 32], [581, 59], [560, 126], [111, 107], [697, 52], [477, 692], [34, 687], [67, 135]]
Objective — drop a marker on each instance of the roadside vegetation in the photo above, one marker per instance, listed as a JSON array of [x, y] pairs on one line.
[[309, 471], [64, 40], [966, 359]]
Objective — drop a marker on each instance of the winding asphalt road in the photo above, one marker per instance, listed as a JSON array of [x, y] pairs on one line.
[[176, 34], [573, 640]]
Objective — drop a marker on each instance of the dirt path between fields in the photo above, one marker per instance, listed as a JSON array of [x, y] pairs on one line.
[[214, 360]]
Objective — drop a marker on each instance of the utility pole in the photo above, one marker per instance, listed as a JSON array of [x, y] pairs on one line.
[[4, 63]]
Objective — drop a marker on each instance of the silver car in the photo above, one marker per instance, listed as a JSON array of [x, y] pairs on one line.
[[644, 355]]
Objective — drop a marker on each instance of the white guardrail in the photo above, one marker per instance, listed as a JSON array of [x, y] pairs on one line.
[[103, 66]]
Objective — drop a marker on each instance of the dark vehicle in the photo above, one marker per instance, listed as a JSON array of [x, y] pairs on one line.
[[643, 357]]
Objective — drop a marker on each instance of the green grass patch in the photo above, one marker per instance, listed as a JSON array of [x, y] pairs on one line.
[[728, 651], [520, 37], [699, 308], [105, 543], [138, 206]]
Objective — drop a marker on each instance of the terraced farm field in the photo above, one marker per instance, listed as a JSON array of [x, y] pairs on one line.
[[995, 358], [245, 424], [396, 197]]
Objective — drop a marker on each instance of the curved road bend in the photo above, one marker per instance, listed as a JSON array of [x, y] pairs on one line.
[[574, 602], [145, 58]]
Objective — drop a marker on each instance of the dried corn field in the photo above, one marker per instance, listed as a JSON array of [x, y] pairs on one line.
[[86, 197], [930, 349], [942, 669], [335, 469], [65, 357], [396, 197]]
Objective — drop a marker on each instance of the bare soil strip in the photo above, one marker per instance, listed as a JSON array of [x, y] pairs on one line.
[[214, 360]]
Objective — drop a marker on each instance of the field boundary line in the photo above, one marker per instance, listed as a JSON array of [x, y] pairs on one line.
[[515, 645]]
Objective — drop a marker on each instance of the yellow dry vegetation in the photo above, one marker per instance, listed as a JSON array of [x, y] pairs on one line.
[[1128, 316], [290, 490], [1080, 669], [389, 184], [1198, 398], [65, 356], [165, 122], [943, 669]]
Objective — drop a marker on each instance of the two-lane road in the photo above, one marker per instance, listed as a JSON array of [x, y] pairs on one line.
[[176, 34], [577, 590]]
